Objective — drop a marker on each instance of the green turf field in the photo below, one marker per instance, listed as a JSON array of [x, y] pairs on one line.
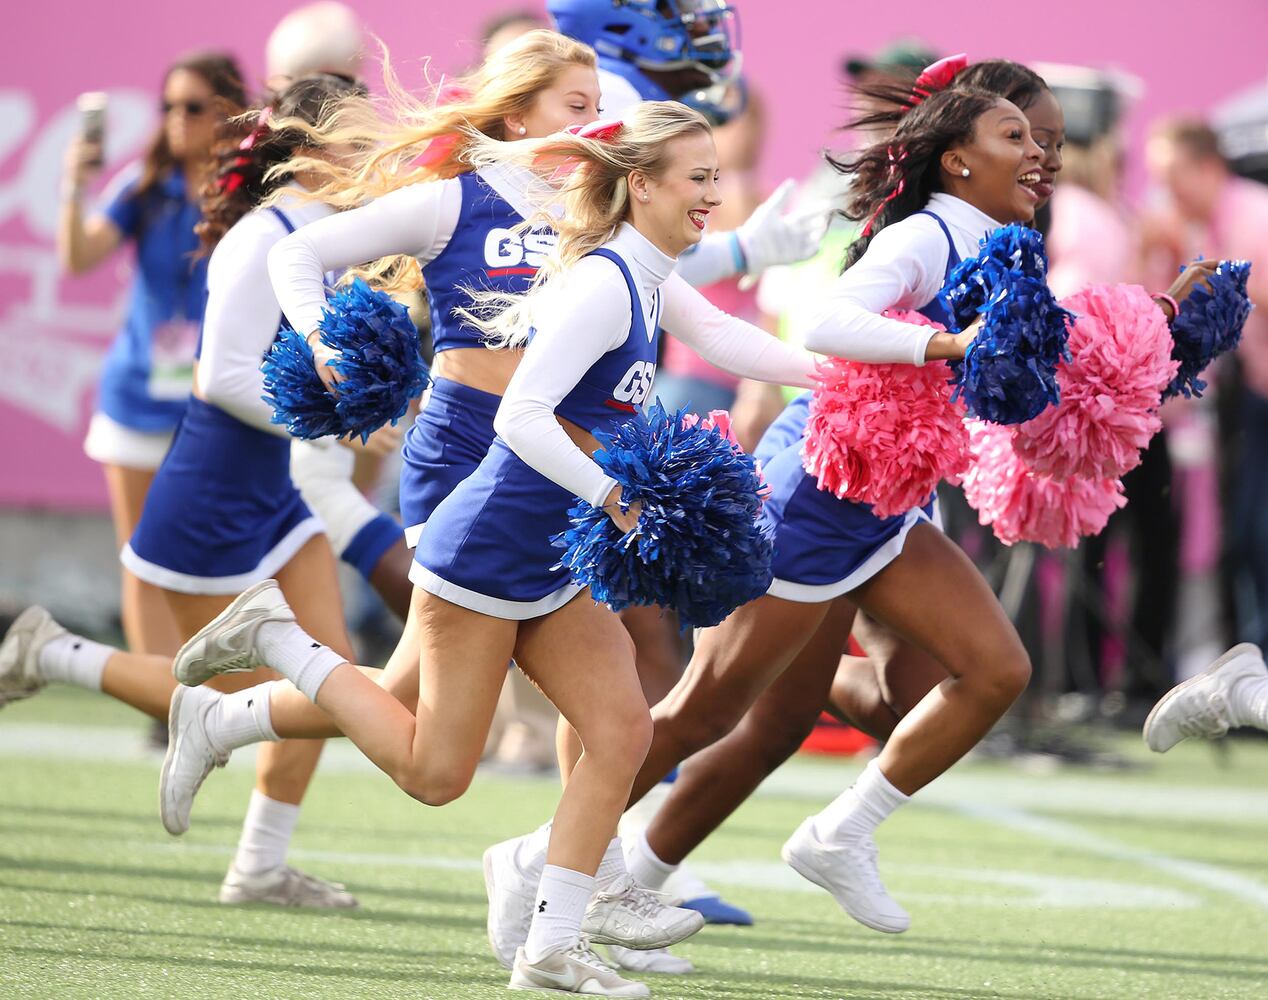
[[1146, 883]]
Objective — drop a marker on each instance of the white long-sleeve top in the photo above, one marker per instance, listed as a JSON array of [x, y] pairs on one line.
[[903, 268], [585, 312], [243, 314]]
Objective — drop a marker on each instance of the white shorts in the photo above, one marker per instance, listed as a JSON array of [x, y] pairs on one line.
[[111, 443]]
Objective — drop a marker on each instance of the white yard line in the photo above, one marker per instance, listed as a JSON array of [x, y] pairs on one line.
[[1001, 800]]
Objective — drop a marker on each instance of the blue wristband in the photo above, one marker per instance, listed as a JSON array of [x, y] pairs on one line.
[[737, 254]]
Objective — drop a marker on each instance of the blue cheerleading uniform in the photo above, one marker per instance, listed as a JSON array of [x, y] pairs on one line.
[[824, 546], [222, 512], [145, 381], [488, 544], [455, 425]]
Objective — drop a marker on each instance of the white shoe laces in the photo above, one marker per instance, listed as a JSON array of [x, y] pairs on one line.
[[583, 952], [634, 898], [1209, 717], [310, 885]]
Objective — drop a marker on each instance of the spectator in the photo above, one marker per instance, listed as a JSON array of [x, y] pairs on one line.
[[148, 370]]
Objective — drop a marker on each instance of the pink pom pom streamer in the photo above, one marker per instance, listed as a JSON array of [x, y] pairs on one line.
[[1022, 506], [1111, 387], [720, 420], [885, 434]]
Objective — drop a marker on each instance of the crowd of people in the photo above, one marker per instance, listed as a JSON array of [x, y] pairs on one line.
[[580, 224]]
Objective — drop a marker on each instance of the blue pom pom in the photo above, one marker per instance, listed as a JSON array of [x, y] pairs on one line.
[[699, 547], [1208, 324], [291, 386], [379, 365], [1009, 373]]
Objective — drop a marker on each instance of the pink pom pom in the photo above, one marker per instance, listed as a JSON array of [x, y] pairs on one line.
[[884, 434], [719, 420], [1111, 387], [1022, 506]]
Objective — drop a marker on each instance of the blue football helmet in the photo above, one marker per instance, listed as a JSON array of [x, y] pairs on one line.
[[663, 36]]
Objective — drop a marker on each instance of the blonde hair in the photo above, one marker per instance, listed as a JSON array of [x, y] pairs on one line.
[[391, 133], [585, 198]]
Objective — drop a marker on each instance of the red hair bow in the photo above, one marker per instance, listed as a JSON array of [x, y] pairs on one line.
[[235, 175], [937, 76], [603, 130], [441, 148]]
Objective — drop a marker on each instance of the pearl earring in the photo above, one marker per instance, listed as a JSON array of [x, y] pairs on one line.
[[964, 172], [523, 130]]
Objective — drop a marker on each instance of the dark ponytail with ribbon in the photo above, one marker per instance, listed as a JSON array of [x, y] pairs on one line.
[[251, 146], [894, 178]]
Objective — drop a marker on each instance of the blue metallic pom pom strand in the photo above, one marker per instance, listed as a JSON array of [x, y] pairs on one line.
[[1209, 323], [1009, 373], [698, 548], [379, 364]]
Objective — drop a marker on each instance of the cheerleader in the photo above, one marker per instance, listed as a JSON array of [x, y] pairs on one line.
[[871, 693], [462, 227], [145, 382], [489, 585], [223, 513]]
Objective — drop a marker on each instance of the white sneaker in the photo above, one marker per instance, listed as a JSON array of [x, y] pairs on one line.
[[576, 970], [226, 644], [285, 886], [1200, 705], [190, 756], [848, 871], [20, 654], [626, 914], [656, 960], [512, 893]]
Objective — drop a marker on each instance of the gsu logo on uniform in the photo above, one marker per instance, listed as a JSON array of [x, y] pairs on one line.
[[505, 248], [636, 383]]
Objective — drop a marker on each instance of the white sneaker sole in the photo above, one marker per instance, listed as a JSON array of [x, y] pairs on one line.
[[1241, 649], [170, 823], [810, 875]]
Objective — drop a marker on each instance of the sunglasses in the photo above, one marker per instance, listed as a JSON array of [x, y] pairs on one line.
[[192, 109]]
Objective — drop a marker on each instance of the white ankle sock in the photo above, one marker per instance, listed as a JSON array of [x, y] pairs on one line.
[[648, 870], [562, 899], [860, 809], [72, 659], [241, 717], [266, 834], [612, 867], [297, 656], [1248, 702]]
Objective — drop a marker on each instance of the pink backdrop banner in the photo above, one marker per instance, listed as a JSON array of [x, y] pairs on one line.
[[53, 330]]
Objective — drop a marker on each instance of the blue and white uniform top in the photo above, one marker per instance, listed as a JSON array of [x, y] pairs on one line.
[[826, 547], [591, 360], [145, 381], [223, 512], [459, 230]]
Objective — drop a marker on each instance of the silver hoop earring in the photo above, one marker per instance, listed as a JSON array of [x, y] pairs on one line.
[[964, 172], [523, 130]]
